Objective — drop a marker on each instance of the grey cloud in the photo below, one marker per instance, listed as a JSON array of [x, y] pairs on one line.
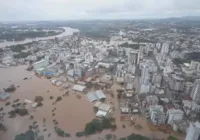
[[94, 9]]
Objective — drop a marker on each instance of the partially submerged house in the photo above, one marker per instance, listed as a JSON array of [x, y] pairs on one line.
[[95, 96], [103, 110], [79, 88], [4, 95]]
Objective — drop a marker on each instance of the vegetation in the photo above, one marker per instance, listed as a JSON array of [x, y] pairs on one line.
[[51, 97], [22, 35], [22, 55], [1, 109], [29, 135], [127, 45], [11, 88], [122, 139], [80, 134], [12, 114], [172, 138], [7, 104], [17, 48], [39, 99], [61, 133], [110, 137], [135, 137], [17, 100], [179, 61], [22, 111], [58, 98], [2, 127], [97, 125], [193, 56], [39, 104]]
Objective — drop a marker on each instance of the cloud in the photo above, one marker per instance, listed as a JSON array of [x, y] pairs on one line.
[[95, 9]]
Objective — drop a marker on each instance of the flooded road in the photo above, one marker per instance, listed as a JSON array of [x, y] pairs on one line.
[[68, 31]]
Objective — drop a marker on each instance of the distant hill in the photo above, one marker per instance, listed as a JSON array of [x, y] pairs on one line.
[[197, 18]]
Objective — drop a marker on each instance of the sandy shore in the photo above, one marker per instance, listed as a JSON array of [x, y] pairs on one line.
[[71, 113]]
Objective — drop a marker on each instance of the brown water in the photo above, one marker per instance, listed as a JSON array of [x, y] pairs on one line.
[[72, 114]]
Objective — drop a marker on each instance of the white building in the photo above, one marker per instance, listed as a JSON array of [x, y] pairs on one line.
[[152, 100], [165, 48], [195, 95], [41, 64], [129, 81], [194, 65], [174, 114], [157, 115], [89, 58], [144, 75], [131, 68], [120, 76], [156, 79], [193, 132], [144, 88]]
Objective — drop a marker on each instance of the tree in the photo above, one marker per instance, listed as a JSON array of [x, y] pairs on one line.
[[58, 98], [39, 99], [2, 127], [80, 134], [61, 133], [22, 111], [93, 126], [172, 138], [137, 137], [28, 135]]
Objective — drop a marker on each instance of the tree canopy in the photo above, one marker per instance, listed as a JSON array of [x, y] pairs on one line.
[[28, 135], [172, 138]]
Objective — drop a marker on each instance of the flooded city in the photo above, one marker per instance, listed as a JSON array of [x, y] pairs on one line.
[[72, 113], [99, 80]]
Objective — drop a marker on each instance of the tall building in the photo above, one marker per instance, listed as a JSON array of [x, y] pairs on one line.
[[165, 48], [195, 94], [176, 83], [193, 132], [157, 114], [156, 79], [133, 57], [144, 75], [174, 115], [194, 65]]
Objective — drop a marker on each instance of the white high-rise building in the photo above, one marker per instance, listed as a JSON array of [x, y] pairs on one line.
[[165, 48], [133, 57], [195, 95], [193, 132]]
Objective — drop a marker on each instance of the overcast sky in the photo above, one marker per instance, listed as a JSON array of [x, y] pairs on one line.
[[16, 10]]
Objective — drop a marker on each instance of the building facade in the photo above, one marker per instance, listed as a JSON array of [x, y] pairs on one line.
[[195, 94], [193, 132]]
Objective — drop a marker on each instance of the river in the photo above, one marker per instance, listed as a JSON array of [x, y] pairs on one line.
[[68, 31]]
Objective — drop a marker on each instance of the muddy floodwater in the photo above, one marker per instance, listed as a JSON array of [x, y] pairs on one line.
[[71, 113]]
